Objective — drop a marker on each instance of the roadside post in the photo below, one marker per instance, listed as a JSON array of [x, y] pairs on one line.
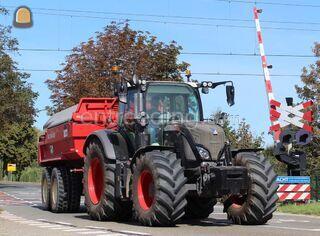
[[11, 168]]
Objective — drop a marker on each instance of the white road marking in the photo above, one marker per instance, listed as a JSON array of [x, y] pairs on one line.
[[133, 232], [61, 228], [48, 226], [93, 232], [292, 220], [291, 228], [76, 229], [37, 224], [112, 234]]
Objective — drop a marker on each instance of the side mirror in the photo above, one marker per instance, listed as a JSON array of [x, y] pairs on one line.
[[230, 94], [122, 91]]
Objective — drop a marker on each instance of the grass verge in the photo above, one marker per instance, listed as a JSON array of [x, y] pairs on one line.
[[305, 209], [31, 174]]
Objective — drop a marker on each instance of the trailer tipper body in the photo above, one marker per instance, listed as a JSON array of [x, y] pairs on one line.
[[66, 131]]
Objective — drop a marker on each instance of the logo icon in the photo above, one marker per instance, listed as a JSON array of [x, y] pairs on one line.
[[22, 17], [214, 131]]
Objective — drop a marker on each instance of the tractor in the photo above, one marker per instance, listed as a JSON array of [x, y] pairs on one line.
[[149, 153]]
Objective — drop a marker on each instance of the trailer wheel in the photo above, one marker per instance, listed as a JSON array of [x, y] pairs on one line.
[[75, 191], [59, 193], [199, 208], [45, 188], [257, 206], [158, 189], [99, 185]]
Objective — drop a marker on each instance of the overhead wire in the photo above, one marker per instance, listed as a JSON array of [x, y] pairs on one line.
[[166, 16], [194, 73], [201, 53], [271, 3]]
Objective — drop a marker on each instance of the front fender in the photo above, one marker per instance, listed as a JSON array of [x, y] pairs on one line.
[[113, 143]]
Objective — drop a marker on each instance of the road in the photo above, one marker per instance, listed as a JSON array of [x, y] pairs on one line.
[[22, 214]]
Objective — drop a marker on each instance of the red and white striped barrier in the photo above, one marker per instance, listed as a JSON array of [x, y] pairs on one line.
[[266, 73], [294, 192], [287, 114]]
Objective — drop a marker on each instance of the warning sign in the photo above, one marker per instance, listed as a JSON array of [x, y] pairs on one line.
[[11, 167]]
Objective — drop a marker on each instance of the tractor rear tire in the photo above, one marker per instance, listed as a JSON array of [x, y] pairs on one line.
[[158, 189], [257, 206], [59, 191], [45, 188], [199, 208], [75, 191], [99, 187]]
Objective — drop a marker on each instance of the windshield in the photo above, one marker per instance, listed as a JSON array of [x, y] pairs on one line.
[[170, 102]]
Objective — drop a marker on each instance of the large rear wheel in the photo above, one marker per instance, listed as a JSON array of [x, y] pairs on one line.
[[158, 189], [45, 188], [75, 191], [59, 191], [255, 207], [99, 187]]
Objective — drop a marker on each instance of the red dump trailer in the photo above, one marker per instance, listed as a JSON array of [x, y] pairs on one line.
[[62, 145], [66, 131]]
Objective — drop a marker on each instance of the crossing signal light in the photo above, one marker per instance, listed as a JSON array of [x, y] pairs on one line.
[[303, 137]]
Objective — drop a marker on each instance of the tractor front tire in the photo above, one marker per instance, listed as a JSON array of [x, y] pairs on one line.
[[45, 188], [99, 187], [158, 189], [257, 206], [59, 190], [199, 208]]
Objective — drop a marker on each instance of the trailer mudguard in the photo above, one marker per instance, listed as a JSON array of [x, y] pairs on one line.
[[113, 143]]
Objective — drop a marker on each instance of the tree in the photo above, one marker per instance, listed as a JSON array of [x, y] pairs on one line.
[[17, 112], [86, 72], [310, 90], [19, 145], [241, 136]]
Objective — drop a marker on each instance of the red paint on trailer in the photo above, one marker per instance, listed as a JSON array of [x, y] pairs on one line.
[[64, 142]]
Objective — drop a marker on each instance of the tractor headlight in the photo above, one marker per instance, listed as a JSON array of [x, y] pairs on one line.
[[204, 153]]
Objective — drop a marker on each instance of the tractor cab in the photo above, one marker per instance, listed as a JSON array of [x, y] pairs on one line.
[[148, 109]]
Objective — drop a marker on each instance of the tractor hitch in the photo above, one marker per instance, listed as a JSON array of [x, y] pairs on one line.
[[217, 181]]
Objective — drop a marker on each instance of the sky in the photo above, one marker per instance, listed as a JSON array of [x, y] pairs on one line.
[[56, 28]]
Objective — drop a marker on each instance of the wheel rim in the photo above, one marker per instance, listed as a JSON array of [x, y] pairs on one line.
[[146, 190], [95, 180], [44, 191], [238, 201], [54, 192]]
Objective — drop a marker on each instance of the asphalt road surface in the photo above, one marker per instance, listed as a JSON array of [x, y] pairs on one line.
[[22, 215]]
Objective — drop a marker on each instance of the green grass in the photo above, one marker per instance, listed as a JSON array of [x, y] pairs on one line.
[[31, 174], [305, 209]]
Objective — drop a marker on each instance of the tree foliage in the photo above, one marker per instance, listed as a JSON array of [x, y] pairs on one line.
[[17, 135], [86, 72], [310, 90]]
